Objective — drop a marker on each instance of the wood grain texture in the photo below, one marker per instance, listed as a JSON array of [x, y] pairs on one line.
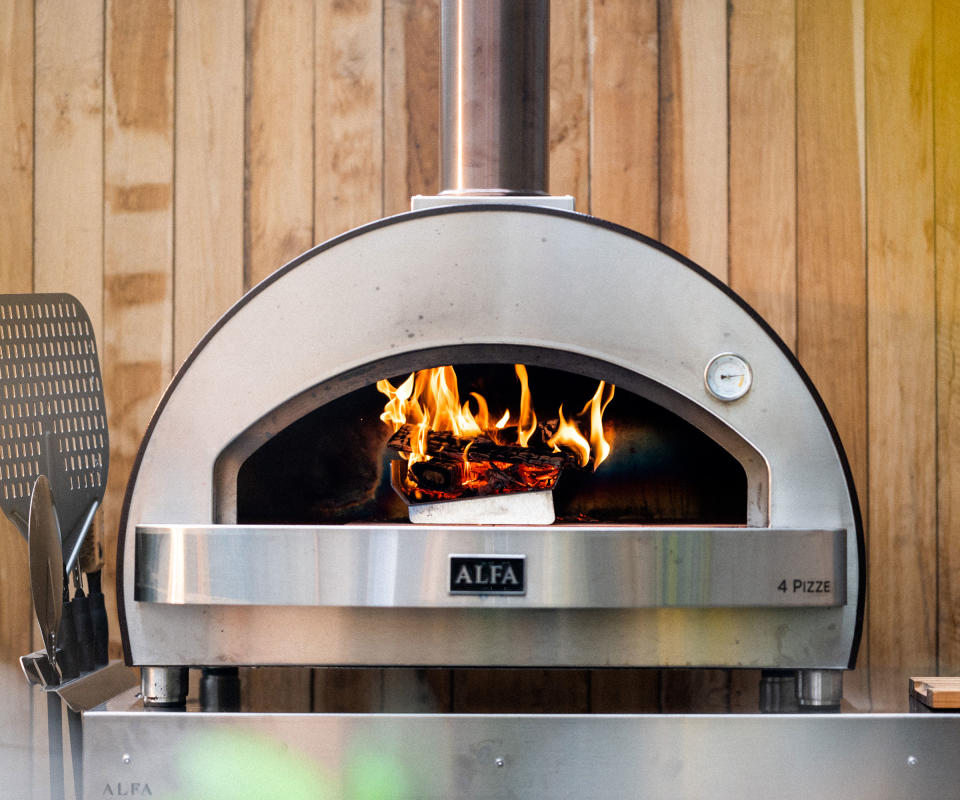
[[831, 260], [209, 182], [137, 346], [693, 131], [353, 690], [946, 83], [570, 101], [625, 691], [521, 691], [279, 141], [702, 691], [68, 142], [411, 87], [763, 167], [901, 340], [348, 185], [624, 178], [16, 146], [16, 276], [693, 205]]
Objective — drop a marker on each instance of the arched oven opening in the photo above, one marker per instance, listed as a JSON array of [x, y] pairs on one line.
[[338, 463]]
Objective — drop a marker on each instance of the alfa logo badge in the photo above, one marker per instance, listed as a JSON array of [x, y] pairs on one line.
[[487, 574]]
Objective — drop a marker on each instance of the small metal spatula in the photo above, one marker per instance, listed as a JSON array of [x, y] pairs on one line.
[[52, 412], [46, 565]]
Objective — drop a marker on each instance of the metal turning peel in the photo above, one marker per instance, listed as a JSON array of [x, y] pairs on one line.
[[53, 419], [46, 564]]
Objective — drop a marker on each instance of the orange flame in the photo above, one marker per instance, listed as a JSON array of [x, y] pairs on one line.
[[429, 400], [527, 425], [568, 434]]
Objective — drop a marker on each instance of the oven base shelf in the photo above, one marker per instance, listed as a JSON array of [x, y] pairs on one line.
[[179, 754]]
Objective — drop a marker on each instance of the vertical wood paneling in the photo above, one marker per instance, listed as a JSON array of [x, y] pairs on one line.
[[831, 267], [349, 116], [763, 167], [693, 205], [208, 187], [68, 182], [411, 92], [693, 131], [525, 691], [279, 157], [946, 83], [16, 275], [137, 350], [16, 146], [570, 101], [624, 140], [901, 347], [68, 188], [279, 209]]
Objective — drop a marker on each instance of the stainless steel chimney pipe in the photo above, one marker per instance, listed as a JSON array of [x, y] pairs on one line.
[[494, 97]]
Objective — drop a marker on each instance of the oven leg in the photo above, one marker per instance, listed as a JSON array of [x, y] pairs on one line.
[[164, 687], [819, 689], [778, 691], [220, 689]]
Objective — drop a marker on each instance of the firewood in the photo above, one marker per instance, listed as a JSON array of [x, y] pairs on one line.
[[444, 446]]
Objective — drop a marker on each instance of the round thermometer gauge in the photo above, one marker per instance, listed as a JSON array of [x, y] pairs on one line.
[[728, 377]]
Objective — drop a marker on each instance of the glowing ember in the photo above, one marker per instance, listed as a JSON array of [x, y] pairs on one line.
[[451, 449]]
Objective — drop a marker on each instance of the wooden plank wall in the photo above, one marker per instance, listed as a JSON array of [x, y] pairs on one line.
[[159, 157]]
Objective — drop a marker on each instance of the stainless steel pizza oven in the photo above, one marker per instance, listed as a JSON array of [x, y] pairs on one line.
[[260, 524]]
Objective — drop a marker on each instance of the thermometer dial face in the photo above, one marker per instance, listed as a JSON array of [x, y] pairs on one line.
[[728, 377]]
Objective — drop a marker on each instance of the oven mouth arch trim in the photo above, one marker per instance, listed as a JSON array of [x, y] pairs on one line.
[[229, 462]]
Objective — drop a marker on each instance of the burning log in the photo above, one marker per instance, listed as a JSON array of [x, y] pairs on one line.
[[443, 446]]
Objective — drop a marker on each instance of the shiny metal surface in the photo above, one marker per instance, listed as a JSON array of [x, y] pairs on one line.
[[565, 202], [778, 692], [819, 688], [494, 108], [566, 567], [648, 320], [517, 756], [521, 508], [46, 565], [164, 686]]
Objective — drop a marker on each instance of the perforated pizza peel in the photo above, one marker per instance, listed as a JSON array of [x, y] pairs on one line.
[[52, 413]]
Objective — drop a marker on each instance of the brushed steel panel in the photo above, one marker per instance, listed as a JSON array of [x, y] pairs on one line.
[[566, 567], [521, 756]]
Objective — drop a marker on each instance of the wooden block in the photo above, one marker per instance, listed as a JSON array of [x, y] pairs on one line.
[[939, 693]]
